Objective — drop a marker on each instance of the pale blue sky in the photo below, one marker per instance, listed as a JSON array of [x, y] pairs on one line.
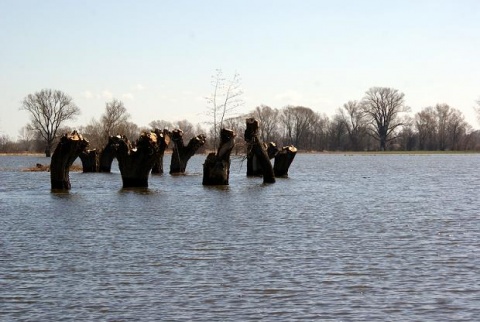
[[159, 56]]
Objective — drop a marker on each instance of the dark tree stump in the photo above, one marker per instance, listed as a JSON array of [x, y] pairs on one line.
[[272, 150], [90, 160], [254, 168], [136, 163], [181, 153], [216, 169], [163, 139], [67, 150], [109, 153], [257, 153], [283, 160]]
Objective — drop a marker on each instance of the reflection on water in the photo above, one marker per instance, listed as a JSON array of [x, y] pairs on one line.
[[140, 191], [345, 238]]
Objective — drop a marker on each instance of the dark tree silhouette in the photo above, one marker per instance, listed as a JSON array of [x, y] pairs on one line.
[[382, 107], [49, 109], [67, 150]]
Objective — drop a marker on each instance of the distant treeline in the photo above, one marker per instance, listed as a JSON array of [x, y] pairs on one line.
[[309, 131], [379, 122]]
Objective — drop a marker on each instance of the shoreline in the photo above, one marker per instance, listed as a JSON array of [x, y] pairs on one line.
[[42, 155], [23, 154]]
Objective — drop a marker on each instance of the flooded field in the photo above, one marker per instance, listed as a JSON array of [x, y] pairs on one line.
[[344, 238]]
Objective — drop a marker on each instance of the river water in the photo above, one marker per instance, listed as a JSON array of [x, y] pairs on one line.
[[344, 238]]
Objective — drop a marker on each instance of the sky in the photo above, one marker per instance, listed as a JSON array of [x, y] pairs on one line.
[[159, 56]]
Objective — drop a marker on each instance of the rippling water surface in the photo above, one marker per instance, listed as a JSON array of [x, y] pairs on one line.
[[345, 238]]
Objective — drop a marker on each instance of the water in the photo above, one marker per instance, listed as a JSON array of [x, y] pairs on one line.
[[345, 238]]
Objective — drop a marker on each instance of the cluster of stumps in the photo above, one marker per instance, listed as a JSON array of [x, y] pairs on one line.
[[137, 161]]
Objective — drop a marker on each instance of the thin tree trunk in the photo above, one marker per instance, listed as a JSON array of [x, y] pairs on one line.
[[48, 148]]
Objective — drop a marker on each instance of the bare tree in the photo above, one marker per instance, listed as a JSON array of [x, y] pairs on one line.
[[440, 128], [319, 133], [129, 129], [28, 138], [237, 125], [451, 126], [269, 119], [298, 122], [426, 126], [382, 106], [5, 143], [337, 134], [187, 128], [161, 125], [353, 116], [93, 132], [49, 109], [457, 129], [407, 136], [443, 113], [114, 117], [225, 98]]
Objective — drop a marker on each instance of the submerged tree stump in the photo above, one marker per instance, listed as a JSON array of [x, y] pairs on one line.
[[216, 169], [163, 139], [272, 150], [90, 160], [109, 153], [136, 163], [254, 168], [283, 160], [67, 150], [181, 153], [257, 156]]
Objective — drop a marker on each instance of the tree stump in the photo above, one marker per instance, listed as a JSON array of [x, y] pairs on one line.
[[283, 160], [181, 153], [272, 150], [216, 169], [109, 153], [163, 139], [90, 160], [67, 150], [254, 168], [256, 153], [136, 163]]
